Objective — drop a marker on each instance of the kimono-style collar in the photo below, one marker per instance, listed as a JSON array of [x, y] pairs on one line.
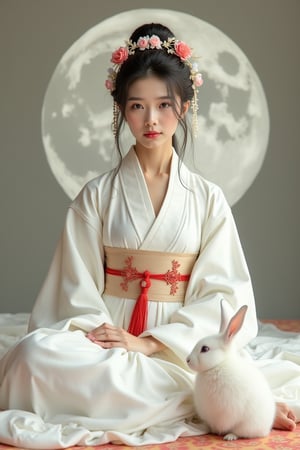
[[140, 206]]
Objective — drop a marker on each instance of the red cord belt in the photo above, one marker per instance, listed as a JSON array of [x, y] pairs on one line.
[[136, 283]]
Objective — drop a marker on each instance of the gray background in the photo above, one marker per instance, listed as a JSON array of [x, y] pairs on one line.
[[34, 34]]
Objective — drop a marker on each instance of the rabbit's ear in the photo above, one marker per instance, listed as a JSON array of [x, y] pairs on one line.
[[235, 323]]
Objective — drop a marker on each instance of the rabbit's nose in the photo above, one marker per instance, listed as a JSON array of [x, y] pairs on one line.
[[188, 359]]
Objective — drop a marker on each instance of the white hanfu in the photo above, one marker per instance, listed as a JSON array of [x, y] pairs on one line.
[[58, 388]]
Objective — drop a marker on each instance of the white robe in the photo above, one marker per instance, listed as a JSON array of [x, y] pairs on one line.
[[59, 389]]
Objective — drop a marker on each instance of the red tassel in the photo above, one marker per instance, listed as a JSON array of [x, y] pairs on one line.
[[138, 321]]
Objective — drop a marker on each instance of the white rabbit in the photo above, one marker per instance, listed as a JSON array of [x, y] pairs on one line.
[[231, 395]]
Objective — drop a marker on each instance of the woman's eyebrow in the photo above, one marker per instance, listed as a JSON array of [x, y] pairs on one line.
[[162, 97]]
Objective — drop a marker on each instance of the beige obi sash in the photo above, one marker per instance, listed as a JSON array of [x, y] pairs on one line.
[[164, 275]]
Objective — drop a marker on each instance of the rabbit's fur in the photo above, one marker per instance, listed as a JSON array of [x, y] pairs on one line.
[[231, 395]]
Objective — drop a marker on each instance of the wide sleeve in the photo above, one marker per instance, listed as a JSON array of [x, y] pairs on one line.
[[70, 297], [220, 272]]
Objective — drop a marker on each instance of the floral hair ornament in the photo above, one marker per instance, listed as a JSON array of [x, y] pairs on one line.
[[173, 47]]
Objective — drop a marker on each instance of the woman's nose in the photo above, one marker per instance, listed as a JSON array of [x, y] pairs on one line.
[[151, 119]]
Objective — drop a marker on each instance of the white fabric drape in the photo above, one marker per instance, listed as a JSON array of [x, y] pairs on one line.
[[58, 388]]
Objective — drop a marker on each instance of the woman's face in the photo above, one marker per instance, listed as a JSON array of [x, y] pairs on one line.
[[149, 113]]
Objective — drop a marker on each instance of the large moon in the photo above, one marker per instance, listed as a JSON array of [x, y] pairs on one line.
[[233, 113]]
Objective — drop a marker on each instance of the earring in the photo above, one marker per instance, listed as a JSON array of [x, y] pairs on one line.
[[115, 118], [195, 107]]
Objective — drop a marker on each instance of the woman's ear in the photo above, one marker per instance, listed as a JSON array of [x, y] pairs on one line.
[[121, 111], [185, 108]]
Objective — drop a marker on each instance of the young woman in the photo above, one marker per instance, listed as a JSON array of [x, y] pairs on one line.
[[147, 253]]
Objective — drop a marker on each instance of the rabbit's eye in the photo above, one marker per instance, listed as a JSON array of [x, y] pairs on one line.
[[204, 349]]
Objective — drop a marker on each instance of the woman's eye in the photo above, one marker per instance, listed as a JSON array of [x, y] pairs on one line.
[[136, 106], [165, 105]]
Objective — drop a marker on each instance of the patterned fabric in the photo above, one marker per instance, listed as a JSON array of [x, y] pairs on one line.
[[279, 440]]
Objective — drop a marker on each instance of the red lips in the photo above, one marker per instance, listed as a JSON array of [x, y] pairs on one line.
[[151, 134]]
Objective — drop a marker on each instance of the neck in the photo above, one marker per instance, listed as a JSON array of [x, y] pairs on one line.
[[154, 161]]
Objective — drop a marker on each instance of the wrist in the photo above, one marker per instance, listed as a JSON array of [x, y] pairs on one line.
[[153, 345]]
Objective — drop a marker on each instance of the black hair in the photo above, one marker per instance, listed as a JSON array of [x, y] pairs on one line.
[[168, 67]]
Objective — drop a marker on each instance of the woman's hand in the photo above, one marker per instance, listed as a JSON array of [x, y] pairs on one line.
[[285, 419], [109, 336]]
